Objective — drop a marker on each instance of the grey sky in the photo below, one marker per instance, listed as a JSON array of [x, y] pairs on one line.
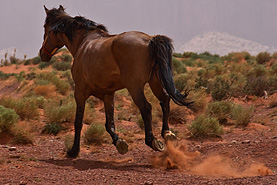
[[21, 21]]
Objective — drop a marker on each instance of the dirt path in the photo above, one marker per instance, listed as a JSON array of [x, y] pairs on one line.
[[45, 161]]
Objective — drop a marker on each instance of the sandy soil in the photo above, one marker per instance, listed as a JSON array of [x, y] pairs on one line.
[[241, 156]]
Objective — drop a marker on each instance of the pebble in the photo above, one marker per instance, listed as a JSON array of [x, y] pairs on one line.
[[274, 137], [234, 142], [246, 142], [12, 148], [198, 147]]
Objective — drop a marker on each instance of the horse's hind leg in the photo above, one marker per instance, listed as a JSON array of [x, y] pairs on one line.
[[120, 144], [145, 110], [80, 98], [159, 92]]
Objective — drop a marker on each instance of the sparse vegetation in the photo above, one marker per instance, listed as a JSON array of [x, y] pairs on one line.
[[205, 126], [94, 134], [8, 118]]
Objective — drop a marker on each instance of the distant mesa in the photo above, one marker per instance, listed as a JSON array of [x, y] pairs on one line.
[[222, 44]]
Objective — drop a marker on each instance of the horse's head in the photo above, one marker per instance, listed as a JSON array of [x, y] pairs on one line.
[[52, 41]]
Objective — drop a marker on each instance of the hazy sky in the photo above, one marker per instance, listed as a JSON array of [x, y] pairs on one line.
[[22, 21]]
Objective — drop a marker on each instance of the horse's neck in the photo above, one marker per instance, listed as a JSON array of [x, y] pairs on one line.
[[73, 45]]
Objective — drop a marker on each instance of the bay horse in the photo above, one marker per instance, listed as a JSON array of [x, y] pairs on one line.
[[105, 63]]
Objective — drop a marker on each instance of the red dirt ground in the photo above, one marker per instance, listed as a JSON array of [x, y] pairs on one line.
[[241, 156]]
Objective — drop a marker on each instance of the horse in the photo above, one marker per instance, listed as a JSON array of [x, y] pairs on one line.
[[104, 63]]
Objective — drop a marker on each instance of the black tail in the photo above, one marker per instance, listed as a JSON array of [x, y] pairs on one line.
[[160, 48]]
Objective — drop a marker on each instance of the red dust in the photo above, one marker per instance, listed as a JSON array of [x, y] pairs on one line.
[[220, 166]]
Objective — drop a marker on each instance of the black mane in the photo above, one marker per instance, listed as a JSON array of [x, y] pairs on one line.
[[59, 21]]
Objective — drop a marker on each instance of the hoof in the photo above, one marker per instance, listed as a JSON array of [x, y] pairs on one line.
[[158, 145], [121, 146], [71, 154], [169, 136]]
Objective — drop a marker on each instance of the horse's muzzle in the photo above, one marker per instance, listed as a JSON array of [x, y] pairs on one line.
[[44, 57]]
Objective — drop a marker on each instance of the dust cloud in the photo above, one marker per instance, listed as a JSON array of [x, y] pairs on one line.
[[178, 157]]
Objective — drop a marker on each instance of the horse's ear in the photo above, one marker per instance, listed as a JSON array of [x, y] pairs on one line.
[[61, 8], [46, 9]]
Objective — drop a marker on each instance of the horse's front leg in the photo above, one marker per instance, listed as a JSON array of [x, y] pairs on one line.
[[78, 124], [120, 144]]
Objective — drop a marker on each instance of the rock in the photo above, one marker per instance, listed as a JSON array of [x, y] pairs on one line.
[[246, 142], [274, 137], [12, 148], [148, 183], [233, 141], [198, 147]]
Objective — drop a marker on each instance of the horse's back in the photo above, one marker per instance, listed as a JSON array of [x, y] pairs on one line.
[[130, 50]]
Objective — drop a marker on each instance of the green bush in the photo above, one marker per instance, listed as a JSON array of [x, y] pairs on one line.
[[241, 115], [94, 134], [263, 57], [8, 118], [43, 65], [256, 81], [52, 128], [178, 66], [62, 66], [21, 136], [220, 110], [51, 77], [26, 108], [220, 89], [68, 142], [67, 57], [4, 76], [58, 112], [205, 126], [36, 60]]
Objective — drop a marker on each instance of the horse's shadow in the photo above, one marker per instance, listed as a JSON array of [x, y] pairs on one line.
[[82, 164]]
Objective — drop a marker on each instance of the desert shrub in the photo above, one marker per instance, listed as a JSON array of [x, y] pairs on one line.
[[178, 55], [20, 77], [205, 126], [26, 108], [52, 128], [237, 56], [199, 99], [21, 135], [256, 82], [67, 57], [263, 57], [36, 60], [220, 89], [68, 76], [94, 134], [54, 59], [27, 62], [52, 77], [241, 115], [4, 76], [220, 110], [177, 115], [62, 66], [43, 65], [237, 83], [45, 90], [58, 112], [180, 81], [13, 60], [178, 66], [272, 84], [273, 69], [8, 118], [68, 141]]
